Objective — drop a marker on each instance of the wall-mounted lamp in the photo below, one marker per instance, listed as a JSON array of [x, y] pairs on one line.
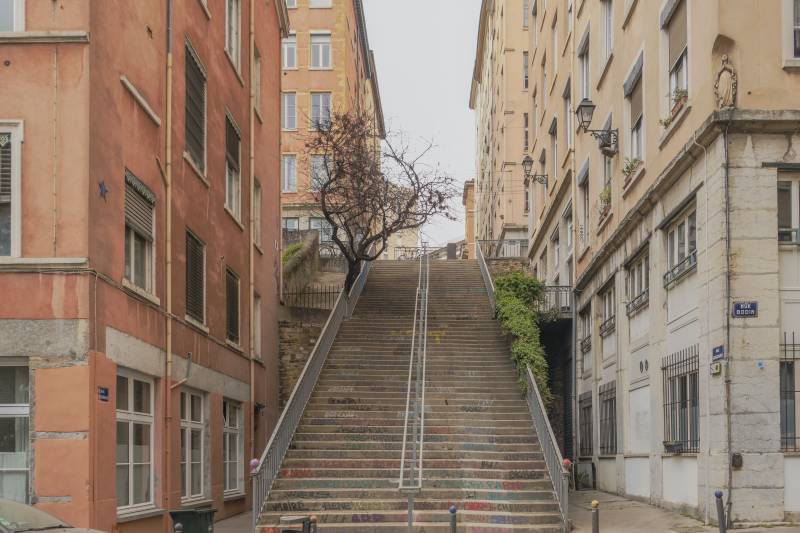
[[608, 138], [527, 166]]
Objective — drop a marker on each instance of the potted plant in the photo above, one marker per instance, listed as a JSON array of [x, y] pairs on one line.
[[605, 200], [679, 97], [631, 165]]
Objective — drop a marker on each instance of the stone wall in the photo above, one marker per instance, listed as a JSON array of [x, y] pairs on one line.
[[299, 331], [498, 267], [303, 266]]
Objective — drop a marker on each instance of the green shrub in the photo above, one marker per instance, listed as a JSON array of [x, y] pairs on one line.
[[519, 300], [290, 251]]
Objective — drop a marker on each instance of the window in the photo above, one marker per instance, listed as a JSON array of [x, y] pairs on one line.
[[291, 4], [257, 78], [323, 227], [638, 285], [583, 189], [788, 209], [291, 223], [555, 244], [134, 441], [583, 59], [289, 111], [233, 182], [554, 52], [319, 172], [678, 53], [139, 230], [232, 306], [796, 29], [681, 247], [527, 200], [525, 72], [526, 13], [569, 17], [14, 433], [12, 15], [568, 116], [535, 15], [321, 51], [320, 110], [195, 278], [526, 131], [192, 445], [10, 187], [609, 310], [257, 326], [289, 52], [681, 400], [257, 212], [585, 332], [569, 230], [586, 435], [289, 173], [554, 148], [232, 451], [789, 369], [543, 265], [319, 3], [545, 87], [636, 114], [608, 418], [233, 28], [195, 110], [608, 27]]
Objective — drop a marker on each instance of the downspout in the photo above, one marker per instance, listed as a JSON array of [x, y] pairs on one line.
[[728, 418], [574, 273], [168, 258], [252, 231]]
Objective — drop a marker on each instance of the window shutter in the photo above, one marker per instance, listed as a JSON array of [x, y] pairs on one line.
[[139, 205], [5, 168], [195, 267], [677, 33], [195, 109], [636, 103], [232, 305], [231, 144]]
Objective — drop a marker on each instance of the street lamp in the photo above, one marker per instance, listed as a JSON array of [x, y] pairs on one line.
[[527, 166], [608, 138]]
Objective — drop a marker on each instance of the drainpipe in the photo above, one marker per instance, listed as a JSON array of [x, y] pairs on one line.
[[168, 257], [574, 273], [728, 418], [252, 230]]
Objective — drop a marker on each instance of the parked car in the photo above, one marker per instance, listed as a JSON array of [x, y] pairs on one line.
[[17, 517]]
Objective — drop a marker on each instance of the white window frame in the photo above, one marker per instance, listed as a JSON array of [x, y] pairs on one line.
[[289, 51], [321, 95], [257, 79], [568, 115], [585, 69], [257, 329], [187, 427], [291, 4], [233, 179], [569, 226], [323, 227], [320, 4], [149, 260], [313, 160], [525, 71], [18, 10], [17, 131], [570, 22], [679, 234], [609, 303], [638, 277], [526, 14], [284, 172], [556, 53], [286, 123], [19, 410], [793, 53], [324, 49], [608, 28], [233, 32], [526, 120], [554, 148], [284, 220], [257, 205], [236, 432], [130, 417], [794, 232], [555, 245]]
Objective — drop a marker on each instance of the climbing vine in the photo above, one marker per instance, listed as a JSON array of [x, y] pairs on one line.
[[519, 300]]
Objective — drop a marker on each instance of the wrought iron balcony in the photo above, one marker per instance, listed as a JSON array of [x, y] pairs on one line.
[[504, 249], [586, 344], [680, 270], [638, 302], [558, 298], [608, 327]]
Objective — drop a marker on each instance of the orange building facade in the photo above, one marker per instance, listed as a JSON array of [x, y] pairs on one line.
[[139, 238]]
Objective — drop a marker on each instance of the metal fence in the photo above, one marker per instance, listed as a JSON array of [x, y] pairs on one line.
[[559, 476], [264, 473], [558, 298], [585, 425], [790, 391], [608, 418], [312, 296], [681, 400], [504, 249], [411, 466]]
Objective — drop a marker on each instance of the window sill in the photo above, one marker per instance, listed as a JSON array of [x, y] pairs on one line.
[[43, 37], [257, 113], [196, 170], [676, 122], [604, 221], [583, 252], [234, 67], [139, 514], [258, 248], [236, 347], [204, 5], [628, 13], [792, 63], [196, 502], [289, 130], [607, 456], [233, 216], [605, 70], [320, 69], [196, 324], [632, 179], [43, 262], [233, 496], [138, 291]]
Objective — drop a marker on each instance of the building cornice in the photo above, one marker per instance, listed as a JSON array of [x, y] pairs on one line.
[[479, 49], [44, 37], [283, 17]]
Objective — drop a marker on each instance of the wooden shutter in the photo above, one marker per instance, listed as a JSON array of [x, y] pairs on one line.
[[677, 33], [636, 103], [232, 305], [232, 144], [5, 167], [139, 206], [195, 109], [195, 274]]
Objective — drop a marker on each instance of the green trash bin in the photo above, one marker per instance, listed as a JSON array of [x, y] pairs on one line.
[[194, 520]]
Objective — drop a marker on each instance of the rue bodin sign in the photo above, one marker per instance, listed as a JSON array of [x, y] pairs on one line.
[[745, 309]]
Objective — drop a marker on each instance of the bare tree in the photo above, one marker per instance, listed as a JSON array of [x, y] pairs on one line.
[[371, 189]]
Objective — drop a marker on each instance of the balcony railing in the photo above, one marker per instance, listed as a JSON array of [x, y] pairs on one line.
[[637, 303], [680, 270], [608, 327], [504, 249], [586, 344], [558, 298]]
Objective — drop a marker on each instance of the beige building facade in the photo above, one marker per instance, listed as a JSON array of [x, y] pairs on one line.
[[674, 216], [501, 89], [327, 67]]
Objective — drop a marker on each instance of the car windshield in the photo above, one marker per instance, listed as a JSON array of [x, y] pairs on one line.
[[17, 517]]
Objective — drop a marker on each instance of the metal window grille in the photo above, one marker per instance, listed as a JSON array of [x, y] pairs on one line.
[[608, 418], [195, 109], [195, 275], [5, 167], [232, 305], [681, 395], [790, 391], [586, 430]]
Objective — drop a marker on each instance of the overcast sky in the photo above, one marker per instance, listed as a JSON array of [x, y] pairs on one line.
[[424, 53]]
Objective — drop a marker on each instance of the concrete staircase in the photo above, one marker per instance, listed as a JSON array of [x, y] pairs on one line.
[[481, 451]]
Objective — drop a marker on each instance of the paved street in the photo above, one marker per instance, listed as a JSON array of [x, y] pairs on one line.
[[237, 524]]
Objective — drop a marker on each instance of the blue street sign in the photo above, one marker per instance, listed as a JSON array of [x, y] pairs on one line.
[[718, 353], [745, 309], [102, 394]]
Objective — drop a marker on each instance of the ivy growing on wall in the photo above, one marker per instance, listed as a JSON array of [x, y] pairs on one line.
[[520, 299]]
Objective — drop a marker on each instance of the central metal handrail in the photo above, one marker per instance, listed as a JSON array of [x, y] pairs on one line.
[[411, 481]]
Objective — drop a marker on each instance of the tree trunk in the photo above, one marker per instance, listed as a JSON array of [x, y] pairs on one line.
[[353, 270]]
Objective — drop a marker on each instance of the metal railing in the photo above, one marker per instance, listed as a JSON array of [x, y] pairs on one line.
[[311, 296], [411, 467], [559, 476], [504, 249], [263, 473], [558, 298]]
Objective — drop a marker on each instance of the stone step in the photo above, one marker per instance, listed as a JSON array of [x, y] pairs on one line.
[[425, 527], [431, 484], [424, 516], [400, 503], [459, 438], [442, 446], [462, 496], [433, 424], [429, 454]]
